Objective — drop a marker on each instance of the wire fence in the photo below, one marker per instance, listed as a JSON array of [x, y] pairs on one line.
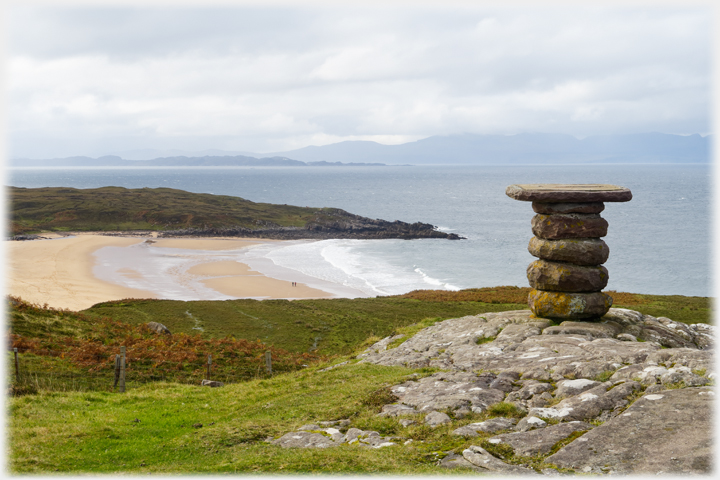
[[51, 370]]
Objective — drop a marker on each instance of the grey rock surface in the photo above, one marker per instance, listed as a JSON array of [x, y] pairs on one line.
[[571, 381], [488, 426], [448, 390], [211, 383], [309, 437], [396, 410], [520, 344], [480, 457], [538, 441], [453, 461], [435, 419], [666, 432], [605, 397], [579, 374], [159, 328], [590, 330], [530, 423], [567, 388], [305, 440]]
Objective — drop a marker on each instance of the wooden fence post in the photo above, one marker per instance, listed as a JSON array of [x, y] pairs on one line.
[[17, 366], [208, 366], [122, 369], [268, 362], [117, 370]]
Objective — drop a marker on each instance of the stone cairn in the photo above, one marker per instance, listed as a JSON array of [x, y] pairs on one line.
[[568, 277]]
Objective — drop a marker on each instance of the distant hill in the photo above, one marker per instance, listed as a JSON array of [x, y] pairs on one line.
[[206, 161], [464, 149], [525, 148], [153, 153]]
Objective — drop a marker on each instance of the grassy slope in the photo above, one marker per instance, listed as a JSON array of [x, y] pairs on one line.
[[677, 307], [62, 350], [117, 208], [338, 326], [334, 326], [97, 431]]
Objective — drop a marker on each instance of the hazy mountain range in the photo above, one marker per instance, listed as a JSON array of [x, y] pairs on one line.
[[523, 148], [468, 149], [179, 161]]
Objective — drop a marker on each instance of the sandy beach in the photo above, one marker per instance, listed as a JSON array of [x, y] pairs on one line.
[[59, 271]]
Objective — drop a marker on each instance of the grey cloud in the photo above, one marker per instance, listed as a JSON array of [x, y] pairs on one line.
[[270, 77], [145, 32]]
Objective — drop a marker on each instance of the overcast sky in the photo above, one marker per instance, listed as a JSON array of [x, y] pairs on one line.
[[92, 81]]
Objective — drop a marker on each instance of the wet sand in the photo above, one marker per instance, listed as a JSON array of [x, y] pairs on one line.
[[194, 243], [239, 280], [59, 272]]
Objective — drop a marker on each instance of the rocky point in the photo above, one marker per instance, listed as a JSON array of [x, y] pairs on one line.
[[628, 394]]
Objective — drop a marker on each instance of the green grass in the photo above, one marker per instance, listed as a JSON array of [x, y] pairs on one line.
[[150, 429], [505, 409], [339, 326], [327, 327], [676, 307], [97, 432]]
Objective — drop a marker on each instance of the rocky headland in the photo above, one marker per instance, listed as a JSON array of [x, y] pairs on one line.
[[168, 212], [332, 224], [629, 394]]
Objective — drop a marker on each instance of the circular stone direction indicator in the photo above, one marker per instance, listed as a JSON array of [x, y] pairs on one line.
[[568, 193]]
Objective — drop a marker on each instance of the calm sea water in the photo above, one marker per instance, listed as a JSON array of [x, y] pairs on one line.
[[659, 242]]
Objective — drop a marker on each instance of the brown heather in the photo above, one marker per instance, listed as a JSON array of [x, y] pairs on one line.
[[177, 356]]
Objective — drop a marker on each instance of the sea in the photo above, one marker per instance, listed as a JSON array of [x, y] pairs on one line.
[[660, 241]]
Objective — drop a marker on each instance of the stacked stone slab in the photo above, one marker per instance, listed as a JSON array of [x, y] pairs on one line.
[[568, 277]]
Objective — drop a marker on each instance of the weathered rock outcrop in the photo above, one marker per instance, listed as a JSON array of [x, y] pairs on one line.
[[327, 435], [668, 432], [627, 394], [159, 328], [575, 373]]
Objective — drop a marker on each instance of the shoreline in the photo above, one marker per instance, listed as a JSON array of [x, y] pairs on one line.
[[61, 270]]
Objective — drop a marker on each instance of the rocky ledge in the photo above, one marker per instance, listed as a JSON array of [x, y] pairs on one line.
[[331, 224], [631, 394]]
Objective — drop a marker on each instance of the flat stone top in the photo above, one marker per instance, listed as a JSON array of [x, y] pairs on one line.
[[560, 193]]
